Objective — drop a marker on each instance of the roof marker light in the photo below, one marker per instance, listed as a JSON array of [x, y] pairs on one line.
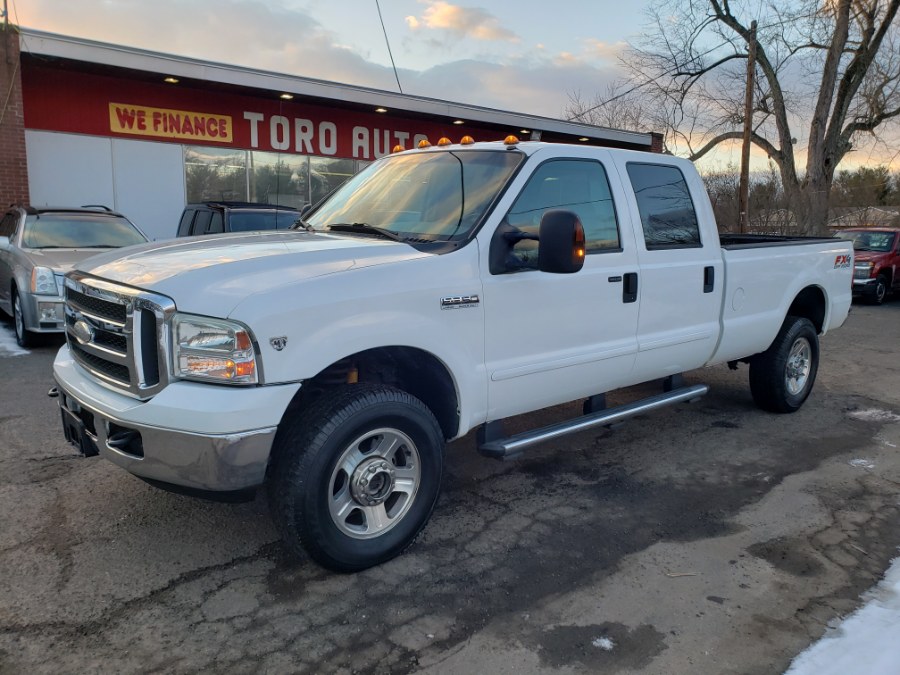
[[444, 141], [466, 140], [424, 143], [510, 140], [398, 148]]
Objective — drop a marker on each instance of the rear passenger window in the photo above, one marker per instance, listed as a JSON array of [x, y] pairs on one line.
[[574, 185], [667, 212]]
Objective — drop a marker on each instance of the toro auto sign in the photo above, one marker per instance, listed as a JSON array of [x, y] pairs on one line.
[[108, 105]]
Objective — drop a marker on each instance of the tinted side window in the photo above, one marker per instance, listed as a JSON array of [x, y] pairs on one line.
[[184, 227], [216, 223], [667, 212], [201, 221], [573, 185]]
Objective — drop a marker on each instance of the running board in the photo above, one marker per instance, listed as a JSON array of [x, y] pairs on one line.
[[513, 446]]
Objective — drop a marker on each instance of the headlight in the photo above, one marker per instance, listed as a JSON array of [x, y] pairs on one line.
[[43, 281], [212, 350]]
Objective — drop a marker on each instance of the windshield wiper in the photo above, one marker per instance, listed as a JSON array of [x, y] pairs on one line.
[[365, 228]]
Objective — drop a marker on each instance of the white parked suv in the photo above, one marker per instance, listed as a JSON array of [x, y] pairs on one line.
[[438, 291]]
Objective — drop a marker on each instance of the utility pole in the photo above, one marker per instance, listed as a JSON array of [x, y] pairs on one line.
[[744, 188]]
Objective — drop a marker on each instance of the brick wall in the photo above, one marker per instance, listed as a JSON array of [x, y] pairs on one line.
[[13, 164], [656, 142]]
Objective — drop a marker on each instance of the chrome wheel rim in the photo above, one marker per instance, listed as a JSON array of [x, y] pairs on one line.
[[374, 483], [880, 291], [798, 366], [17, 316]]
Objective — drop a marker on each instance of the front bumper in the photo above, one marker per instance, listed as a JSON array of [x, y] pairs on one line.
[[201, 437], [864, 287]]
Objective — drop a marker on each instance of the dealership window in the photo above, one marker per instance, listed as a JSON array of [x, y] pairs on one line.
[[265, 177], [328, 173], [215, 174], [279, 178]]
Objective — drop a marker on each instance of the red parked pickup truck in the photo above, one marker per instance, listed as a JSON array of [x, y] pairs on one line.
[[876, 268]]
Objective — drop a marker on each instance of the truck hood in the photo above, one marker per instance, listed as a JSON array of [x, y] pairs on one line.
[[213, 274], [869, 256]]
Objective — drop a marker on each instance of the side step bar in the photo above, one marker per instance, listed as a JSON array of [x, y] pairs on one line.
[[513, 446]]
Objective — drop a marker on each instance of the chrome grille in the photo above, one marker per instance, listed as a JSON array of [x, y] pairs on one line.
[[118, 333]]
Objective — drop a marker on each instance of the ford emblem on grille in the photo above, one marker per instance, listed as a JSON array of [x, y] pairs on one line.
[[83, 332]]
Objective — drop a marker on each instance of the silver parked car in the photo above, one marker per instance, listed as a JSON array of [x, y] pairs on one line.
[[38, 245]]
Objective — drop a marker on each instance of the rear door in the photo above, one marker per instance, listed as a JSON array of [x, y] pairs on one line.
[[681, 270]]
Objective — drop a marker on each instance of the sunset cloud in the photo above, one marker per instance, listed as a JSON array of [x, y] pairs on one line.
[[461, 22]]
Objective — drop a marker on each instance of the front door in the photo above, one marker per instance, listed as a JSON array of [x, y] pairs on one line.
[[551, 338]]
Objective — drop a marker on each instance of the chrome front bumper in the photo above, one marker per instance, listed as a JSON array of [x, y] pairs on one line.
[[203, 438]]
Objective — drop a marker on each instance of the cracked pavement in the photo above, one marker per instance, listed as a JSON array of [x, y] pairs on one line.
[[704, 538]]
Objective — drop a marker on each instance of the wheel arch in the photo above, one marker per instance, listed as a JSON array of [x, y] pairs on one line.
[[411, 369], [810, 303]]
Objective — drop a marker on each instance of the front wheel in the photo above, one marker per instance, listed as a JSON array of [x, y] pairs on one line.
[[782, 377], [880, 292], [24, 338], [355, 477]]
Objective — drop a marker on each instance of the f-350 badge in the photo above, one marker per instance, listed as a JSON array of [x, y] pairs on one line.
[[459, 301]]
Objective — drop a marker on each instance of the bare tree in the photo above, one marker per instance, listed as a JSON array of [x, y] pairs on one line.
[[829, 67]]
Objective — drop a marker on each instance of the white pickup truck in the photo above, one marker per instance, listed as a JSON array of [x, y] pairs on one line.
[[438, 291]]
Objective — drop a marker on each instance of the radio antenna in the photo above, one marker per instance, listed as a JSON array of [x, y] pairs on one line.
[[388, 43]]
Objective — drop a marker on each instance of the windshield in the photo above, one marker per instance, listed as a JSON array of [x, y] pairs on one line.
[[430, 195], [75, 230], [246, 221], [869, 241]]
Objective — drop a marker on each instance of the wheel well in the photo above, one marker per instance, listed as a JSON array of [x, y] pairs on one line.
[[810, 304], [413, 370]]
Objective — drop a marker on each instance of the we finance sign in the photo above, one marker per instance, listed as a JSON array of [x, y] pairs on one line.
[[167, 123]]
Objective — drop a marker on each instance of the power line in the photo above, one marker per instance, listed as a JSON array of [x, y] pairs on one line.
[[388, 43]]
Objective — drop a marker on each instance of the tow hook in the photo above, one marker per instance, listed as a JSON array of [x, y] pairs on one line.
[[54, 392]]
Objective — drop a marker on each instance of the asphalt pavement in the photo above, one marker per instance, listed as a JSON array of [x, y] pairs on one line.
[[703, 538]]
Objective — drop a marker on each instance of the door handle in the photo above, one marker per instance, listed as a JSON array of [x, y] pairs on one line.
[[630, 287], [709, 279]]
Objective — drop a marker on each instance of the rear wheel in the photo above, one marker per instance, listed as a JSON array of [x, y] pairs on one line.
[[782, 377], [355, 477], [24, 338]]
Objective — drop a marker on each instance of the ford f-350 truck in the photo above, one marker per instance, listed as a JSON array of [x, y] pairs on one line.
[[438, 291]]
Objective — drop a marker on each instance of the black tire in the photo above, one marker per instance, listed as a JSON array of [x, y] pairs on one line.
[[24, 337], [782, 377], [351, 425], [880, 292]]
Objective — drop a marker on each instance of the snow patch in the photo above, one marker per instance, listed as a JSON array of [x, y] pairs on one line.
[[603, 643], [8, 345], [861, 463], [866, 642], [874, 415]]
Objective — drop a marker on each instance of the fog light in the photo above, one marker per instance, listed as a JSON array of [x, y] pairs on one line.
[[50, 312]]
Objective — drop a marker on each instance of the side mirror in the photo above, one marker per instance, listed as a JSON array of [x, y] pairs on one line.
[[4, 243], [562, 247]]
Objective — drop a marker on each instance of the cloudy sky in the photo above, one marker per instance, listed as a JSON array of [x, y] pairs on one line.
[[515, 55], [519, 55]]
